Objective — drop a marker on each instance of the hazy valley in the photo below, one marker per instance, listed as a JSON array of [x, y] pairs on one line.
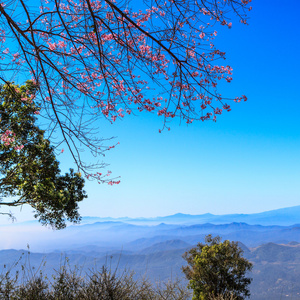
[[154, 247]]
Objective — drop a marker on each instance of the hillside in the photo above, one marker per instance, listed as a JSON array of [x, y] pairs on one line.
[[276, 269]]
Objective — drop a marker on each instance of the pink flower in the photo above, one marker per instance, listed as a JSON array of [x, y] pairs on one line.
[[19, 147], [62, 44], [52, 46]]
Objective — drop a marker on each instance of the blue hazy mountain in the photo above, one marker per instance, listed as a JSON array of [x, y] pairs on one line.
[[278, 226], [283, 216], [269, 239], [166, 246], [117, 235]]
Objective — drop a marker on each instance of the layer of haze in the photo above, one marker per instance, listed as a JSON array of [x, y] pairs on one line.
[[246, 162]]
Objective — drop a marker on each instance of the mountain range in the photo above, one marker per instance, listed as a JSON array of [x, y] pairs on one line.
[[154, 246], [283, 216], [278, 226]]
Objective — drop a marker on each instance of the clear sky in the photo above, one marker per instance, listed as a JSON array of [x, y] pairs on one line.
[[249, 161]]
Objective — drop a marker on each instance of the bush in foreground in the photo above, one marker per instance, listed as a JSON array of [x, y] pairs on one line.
[[217, 270]]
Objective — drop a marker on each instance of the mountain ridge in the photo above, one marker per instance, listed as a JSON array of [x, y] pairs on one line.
[[281, 216]]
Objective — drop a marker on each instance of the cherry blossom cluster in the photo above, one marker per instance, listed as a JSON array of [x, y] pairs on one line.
[[8, 139], [106, 58]]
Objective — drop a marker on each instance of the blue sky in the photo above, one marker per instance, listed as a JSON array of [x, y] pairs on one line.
[[249, 161]]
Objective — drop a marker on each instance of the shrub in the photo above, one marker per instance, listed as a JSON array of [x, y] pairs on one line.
[[217, 269]]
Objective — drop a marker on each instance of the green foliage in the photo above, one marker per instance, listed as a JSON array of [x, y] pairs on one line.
[[217, 269], [29, 171]]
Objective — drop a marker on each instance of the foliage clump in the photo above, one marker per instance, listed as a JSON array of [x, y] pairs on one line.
[[29, 170], [217, 270]]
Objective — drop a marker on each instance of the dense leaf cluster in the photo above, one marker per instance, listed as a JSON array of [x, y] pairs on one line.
[[217, 269], [29, 170]]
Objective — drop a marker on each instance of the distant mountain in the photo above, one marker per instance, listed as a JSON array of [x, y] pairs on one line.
[[165, 246], [109, 235], [250, 235], [143, 243], [276, 271], [283, 216], [277, 226]]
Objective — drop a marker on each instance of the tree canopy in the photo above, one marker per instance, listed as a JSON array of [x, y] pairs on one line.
[[29, 170], [217, 269], [92, 58]]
